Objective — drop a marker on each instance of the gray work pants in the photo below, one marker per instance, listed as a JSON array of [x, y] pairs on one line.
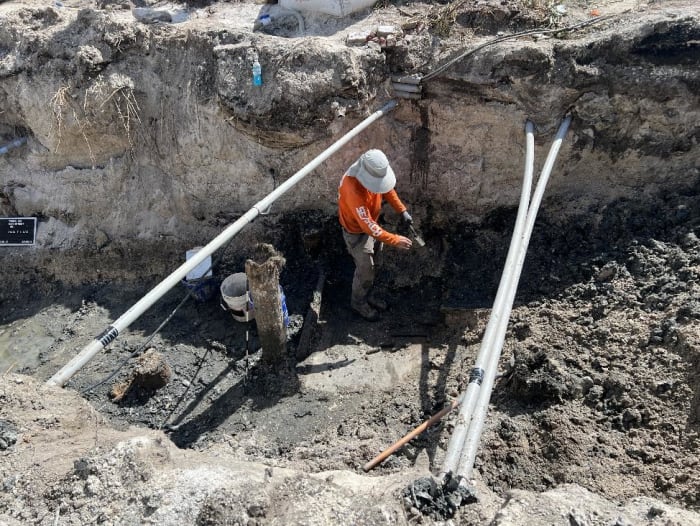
[[364, 250]]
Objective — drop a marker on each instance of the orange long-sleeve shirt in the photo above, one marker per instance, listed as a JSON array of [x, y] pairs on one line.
[[358, 209]]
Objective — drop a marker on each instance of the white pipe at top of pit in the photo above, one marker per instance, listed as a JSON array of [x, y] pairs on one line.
[[126, 319], [468, 456], [459, 434]]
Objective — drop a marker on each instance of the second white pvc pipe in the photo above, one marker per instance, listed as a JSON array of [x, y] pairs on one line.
[[459, 433], [471, 443]]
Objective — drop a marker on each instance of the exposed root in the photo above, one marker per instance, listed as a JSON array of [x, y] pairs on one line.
[[59, 102], [119, 91], [60, 105]]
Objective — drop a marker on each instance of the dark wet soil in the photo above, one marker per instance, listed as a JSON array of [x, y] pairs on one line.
[[599, 374]]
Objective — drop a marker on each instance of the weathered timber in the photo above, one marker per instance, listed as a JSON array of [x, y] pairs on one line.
[[263, 271]]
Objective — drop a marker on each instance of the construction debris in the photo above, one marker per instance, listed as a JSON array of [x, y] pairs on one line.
[[385, 36], [434, 500]]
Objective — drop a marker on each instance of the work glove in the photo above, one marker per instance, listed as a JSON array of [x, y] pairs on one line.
[[407, 217]]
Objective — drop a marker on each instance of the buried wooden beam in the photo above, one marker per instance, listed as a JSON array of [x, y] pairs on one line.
[[263, 272]]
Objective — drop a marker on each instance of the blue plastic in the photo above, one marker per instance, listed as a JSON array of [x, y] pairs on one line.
[[285, 313], [257, 74], [202, 289], [16, 143]]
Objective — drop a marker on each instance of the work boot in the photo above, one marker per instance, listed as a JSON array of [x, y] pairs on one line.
[[366, 311], [377, 303]]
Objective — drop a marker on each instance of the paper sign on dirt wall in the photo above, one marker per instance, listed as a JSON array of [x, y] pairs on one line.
[[17, 231]]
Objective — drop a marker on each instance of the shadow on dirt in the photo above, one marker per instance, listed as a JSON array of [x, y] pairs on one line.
[[263, 390], [433, 390]]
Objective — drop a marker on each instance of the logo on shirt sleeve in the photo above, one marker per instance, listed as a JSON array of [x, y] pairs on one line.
[[364, 216]]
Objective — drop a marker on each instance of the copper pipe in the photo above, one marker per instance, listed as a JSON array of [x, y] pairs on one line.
[[417, 431]]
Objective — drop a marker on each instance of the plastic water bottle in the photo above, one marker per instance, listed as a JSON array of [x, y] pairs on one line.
[[257, 73]]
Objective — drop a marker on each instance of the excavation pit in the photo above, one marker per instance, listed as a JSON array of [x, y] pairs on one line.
[[143, 140]]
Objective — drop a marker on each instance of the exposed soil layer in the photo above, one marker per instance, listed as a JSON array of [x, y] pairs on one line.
[[144, 140]]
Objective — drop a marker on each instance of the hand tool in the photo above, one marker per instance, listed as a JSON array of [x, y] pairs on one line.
[[416, 236]]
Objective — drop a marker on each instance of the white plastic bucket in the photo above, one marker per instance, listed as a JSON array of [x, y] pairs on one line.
[[337, 8], [233, 292]]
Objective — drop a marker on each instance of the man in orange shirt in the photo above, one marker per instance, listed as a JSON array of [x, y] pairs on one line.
[[369, 180]]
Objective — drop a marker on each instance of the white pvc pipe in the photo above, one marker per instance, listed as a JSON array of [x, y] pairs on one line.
[[111, 332], [476, 426], [454, 449]]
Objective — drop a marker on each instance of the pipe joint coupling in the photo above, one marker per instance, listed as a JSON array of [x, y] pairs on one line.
[[476, 375], [107, 336]]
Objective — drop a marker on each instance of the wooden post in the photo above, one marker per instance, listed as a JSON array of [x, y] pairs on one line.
[[263, 271]]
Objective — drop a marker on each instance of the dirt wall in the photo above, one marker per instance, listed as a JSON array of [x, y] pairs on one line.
[[152, 137]]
